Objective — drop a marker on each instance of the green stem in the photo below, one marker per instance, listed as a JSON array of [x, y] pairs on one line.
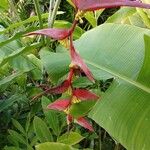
[[51, 6], [54, 13], [99, 139], [38, 12], [37, 8]]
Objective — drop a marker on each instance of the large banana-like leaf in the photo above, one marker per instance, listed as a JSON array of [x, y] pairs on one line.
[[118, 51], [124, 110]]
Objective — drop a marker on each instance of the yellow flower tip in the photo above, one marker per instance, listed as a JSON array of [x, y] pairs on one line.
[[75, 100], [65, 43], [69, 91], [67, 111], [73, 66], [80, 21], [79, 15]]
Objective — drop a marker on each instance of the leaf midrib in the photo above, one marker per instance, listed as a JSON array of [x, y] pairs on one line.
[[126, 79]]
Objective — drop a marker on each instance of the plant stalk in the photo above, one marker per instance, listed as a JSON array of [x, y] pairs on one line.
[[54, 13], [99, 139], [51, 7], [38, 12]]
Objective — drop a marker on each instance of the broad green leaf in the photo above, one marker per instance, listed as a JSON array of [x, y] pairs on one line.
[[81, 109], [124, 110], [18, 126], [144, 76], [53, 146], [70, 138], [51, 116], [18, 137], [117, 51], [61, 64], [41, 130]]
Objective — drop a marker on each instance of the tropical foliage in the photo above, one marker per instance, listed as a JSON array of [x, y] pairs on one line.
[[74, 74]]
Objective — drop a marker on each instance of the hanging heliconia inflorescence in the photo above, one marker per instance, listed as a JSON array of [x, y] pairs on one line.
[[77, 63]]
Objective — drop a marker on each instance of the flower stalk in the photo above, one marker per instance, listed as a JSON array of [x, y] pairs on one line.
[[54, 13]]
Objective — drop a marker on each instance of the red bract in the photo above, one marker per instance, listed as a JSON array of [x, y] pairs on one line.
[[84, 123], [63, 105], [83, 95], [78, 62], [57, 34], [60, 105], [90, 5], [60, 88]]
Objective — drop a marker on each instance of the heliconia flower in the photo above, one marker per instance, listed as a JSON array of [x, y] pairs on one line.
[[63, 105], [84, 123], [60, 104], [77, 62], [57, 34], [90, 5], [84, 95]]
